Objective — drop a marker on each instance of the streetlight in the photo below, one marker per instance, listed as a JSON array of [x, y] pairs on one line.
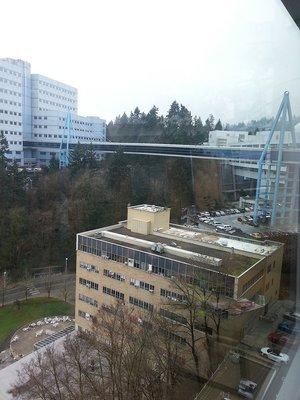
[[65, 290], [66, 265], [3, 288]]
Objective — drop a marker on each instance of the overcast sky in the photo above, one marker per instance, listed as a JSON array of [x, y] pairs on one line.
[[232, 58]]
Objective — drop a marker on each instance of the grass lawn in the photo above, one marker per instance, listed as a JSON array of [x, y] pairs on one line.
[[11, 318]]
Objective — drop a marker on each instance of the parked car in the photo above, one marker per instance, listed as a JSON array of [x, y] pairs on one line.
[[227, 227], [232, 231], [280, 338], [274, 355], [222, 213], [247, 388], [240, 219], [288, 327], [218, 213], [256, 235]]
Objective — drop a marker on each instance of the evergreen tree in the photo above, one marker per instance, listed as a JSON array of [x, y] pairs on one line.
[[152, 117], [54, 164], [123, 120], [219, 126], [174, 111], [199, 133], [77, 158], [135, 116], [209, 123], [90, 157], [3, 150]]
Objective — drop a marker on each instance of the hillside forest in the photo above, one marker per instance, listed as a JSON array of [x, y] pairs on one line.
[[41, 211]]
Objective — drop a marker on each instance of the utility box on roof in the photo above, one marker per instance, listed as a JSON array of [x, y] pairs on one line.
[[140, 226], [146, 219]]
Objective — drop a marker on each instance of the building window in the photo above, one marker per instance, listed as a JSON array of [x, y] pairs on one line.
[[142, 285], [84, 314], [172, 295], [88, 300], [141, 303], [113, 293], [114, 275], [88, 284], [88, 267], [174, 317]]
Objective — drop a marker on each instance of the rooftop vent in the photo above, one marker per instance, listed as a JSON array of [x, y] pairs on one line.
[[158, 248], [223, 242]]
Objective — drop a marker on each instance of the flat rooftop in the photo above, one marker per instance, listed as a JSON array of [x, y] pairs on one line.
[[190, 245], [148, 208]]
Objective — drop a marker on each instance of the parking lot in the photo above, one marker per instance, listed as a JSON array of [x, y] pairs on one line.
[[234, 226]]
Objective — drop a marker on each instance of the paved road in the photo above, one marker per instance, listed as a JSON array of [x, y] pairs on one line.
[[37, 288]]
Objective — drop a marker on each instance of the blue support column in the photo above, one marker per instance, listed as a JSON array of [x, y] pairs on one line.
[[278, 167], [261, 204], [262, 159], [68, 133]]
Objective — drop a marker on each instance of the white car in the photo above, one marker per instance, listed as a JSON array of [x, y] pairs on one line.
[[274, 355]]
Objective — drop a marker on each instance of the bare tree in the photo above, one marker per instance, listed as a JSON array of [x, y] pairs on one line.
[[26, 282], [48, 281], [202, 308], [126, 357], [188, 320], [65, 290]]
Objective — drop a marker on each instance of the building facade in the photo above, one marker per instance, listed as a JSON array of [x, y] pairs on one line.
[[33, 113], [136, 262]]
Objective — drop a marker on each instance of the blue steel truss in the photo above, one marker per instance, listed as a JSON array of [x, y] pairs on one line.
[[267, 193], [67, 135]]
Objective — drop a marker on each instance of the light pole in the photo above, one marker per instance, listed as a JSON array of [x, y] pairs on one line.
[[66, 265], [3, 288], [65, 280]]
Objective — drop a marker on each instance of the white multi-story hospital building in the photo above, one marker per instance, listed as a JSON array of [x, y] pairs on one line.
[[33, 113]]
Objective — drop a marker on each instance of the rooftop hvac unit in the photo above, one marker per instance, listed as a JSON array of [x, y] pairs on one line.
[[223, 242], [157, 248]]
